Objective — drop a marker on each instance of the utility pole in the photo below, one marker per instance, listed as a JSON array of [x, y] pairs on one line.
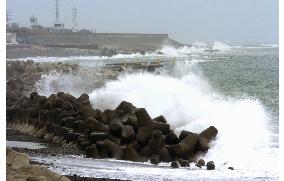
[[57, 11]]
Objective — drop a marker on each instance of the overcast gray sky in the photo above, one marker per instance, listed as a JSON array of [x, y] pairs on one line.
[[184, 20]]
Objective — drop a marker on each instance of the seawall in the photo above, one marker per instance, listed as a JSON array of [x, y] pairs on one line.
[[121, 41]]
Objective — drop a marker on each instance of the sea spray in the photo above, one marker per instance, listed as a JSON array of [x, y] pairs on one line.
[[84, 80], [189, 103], [195, 48]]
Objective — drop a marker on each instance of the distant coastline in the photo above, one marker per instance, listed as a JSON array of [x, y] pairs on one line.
[[30, 42]]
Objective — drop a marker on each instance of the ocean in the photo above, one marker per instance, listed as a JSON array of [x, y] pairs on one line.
[[234, 88]]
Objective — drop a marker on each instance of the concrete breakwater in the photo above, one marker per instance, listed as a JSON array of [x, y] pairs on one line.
[[126, 133], [119, 41]]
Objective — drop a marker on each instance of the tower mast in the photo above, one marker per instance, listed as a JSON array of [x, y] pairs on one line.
[[74, 18]]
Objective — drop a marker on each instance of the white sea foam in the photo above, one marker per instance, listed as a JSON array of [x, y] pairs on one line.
[[76, 83], [197, 47], [117, 169], [90, 60], [167, 52], [188, 102], [220, 46]]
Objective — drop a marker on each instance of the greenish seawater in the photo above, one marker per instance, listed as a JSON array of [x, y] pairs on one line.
[[247, 72]]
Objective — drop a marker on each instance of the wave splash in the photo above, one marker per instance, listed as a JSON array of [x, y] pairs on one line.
[[84, 80], [197, 47], [188, 102]]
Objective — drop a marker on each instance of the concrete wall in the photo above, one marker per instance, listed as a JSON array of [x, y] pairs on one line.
[[126, 41]]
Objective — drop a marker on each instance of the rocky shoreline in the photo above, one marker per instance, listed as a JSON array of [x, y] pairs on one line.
[[18, 168], [33, 50], [125, 133]]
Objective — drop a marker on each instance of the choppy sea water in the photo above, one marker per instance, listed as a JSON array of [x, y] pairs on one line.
[[234, 89]]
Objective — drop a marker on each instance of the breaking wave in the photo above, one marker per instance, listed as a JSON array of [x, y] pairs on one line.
[[197, 47], [82, 81], [188, 102], [166, 51]]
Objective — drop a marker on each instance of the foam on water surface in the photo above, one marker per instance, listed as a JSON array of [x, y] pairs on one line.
[[126, 170]]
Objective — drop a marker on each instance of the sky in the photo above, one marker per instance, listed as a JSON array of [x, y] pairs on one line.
[[184, 20]]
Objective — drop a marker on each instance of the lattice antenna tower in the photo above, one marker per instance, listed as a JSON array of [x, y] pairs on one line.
[[57, 23], [57, 11], [8, 20], [74, 18], [8, 17]]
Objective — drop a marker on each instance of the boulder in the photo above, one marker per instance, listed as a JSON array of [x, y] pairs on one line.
[[92, 152], [43, 115], [116, 127], [33, 97], [184, 163], [209, 133], [143, 135], [171, 138], [205, 137], [98, 115], [143, 118], [20, 160], [175, 164], [98, 136], [108, 115], [127, 134], [79, 126], [126, 108], [165, 128], [157, 141], [69, 121], [183, 134], [160, 119], [60, 94], [130, 120], [144, 126], [94, 125], [69, 113], [200, 163], [46, 105], [185, 148], [84, 145], [57, 103], [67, 106], [83, 97], [88, 111], [210, 165], [41, 101], [113, 150], [165, 155], [70, 136], [130, 153], [114, 139], [154, 159]]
